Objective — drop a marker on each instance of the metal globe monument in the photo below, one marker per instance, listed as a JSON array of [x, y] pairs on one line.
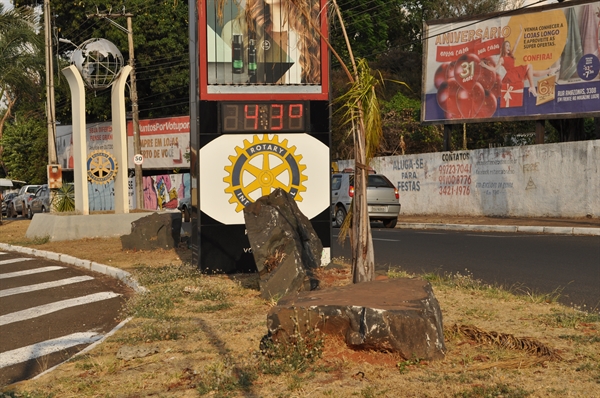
[[98, 64], [99, 61]]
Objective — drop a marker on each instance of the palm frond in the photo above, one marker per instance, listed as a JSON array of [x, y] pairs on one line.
[[361, 106]]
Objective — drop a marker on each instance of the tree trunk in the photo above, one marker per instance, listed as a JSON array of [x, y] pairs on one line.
[[363, 256]]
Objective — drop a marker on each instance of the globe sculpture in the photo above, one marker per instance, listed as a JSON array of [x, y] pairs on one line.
[[99, 61]]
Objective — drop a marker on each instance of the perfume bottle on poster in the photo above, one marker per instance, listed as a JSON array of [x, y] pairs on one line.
[[237, 58], [252, 65]]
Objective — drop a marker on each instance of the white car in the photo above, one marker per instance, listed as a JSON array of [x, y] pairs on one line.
[[382, 198]]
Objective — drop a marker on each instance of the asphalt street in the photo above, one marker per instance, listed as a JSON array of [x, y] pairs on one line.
[[527, 263], [49, 311]]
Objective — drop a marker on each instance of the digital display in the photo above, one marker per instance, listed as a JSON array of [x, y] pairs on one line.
[[282, 117]]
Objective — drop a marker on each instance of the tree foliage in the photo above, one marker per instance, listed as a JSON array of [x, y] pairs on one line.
[[368, 27], [21, 65], [25, 143], [160, 37]]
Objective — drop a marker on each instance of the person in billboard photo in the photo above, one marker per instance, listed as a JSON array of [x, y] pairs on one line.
[[516, 75], [272, 41]]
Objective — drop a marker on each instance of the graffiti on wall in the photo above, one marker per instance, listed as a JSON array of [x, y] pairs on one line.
[[162, 192]]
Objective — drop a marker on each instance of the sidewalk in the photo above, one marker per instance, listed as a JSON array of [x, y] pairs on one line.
[[561, 226]]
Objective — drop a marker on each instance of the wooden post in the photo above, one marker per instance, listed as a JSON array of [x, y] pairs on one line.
[[540, 131], [447, 136]]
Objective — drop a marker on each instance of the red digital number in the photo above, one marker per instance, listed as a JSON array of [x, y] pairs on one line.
[[251, 117], [295, 114], [231, 118], [276, 116]]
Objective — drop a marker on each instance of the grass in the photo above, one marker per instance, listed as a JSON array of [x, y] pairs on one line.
[[208, 331], [493, 391]]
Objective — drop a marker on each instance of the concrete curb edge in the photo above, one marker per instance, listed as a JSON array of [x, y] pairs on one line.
[[117, 273], [503, 228]]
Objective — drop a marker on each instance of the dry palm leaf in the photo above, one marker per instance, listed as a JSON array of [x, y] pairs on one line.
[[505, 340]]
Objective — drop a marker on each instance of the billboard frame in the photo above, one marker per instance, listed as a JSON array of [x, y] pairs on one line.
[[427, 25], [257, 92]]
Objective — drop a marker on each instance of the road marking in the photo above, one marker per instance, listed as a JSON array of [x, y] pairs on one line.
[[385, 240], [14, 260], [42, 286], [432, 233], [30, 272], [47, 347], [505, 236], [46, 309]]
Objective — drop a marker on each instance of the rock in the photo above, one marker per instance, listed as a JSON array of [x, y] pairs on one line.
[[128, 353], [156, 231], [394, 315], [285, 246]]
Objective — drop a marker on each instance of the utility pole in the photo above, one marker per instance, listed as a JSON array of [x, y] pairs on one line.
[[50, 105], [137, 147]]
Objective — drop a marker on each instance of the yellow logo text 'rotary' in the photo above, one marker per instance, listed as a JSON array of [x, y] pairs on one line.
[[262, 166], [101, 167]]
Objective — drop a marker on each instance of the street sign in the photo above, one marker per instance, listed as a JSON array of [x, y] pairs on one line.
[[138, 159]]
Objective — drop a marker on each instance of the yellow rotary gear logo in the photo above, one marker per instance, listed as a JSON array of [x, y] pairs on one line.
[[262, 166], [101, 167]]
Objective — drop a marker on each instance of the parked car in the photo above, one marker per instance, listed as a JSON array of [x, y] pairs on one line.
[[7, 202], [20, 202], [382, 198], [40, 201]]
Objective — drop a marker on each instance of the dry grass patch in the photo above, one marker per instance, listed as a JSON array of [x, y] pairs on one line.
[[207, 331]]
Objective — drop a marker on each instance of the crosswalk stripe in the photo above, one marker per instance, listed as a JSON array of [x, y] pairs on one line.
[[14, 260], [47, 347], [30, 272], [45, 285], [46, 309]]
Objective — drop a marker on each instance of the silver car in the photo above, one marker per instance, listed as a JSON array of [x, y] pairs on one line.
[[382, 198], [40, 202]]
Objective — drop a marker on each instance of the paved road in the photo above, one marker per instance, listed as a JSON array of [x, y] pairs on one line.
[[49, 311], [536, 263]]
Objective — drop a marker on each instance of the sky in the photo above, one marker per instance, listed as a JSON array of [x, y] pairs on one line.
[[7, 4]]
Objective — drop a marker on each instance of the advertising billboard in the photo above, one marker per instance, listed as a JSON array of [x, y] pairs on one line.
[[165, 142], [261, 48], [536, 63]]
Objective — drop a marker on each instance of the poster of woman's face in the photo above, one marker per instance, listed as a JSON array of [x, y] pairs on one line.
[[267, 42]]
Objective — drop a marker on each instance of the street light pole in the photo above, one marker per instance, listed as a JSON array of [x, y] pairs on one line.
[[50, 105], [136, 119], [139, 183]]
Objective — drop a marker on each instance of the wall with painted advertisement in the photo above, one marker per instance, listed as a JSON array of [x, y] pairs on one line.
[[537, 63], [550, 180], [165, 142], [165, 146]]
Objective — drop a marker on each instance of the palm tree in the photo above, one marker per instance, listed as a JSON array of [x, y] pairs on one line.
[[21, 60], [362, 114]]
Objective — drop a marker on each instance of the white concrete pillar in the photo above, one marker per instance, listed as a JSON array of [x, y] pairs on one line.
[[73, 76], [119, 131]]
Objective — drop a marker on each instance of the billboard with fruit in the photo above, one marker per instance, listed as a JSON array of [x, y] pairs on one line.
[[535, 63]]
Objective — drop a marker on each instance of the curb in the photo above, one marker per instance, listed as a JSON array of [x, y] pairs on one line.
[[116, 273], [504, 228]]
